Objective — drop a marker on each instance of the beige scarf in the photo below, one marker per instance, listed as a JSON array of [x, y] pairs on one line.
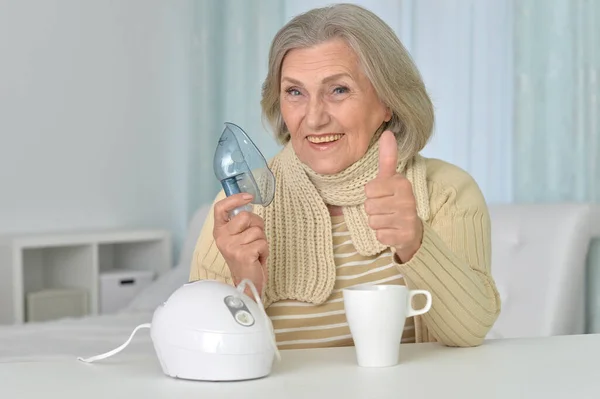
[[298, 224]]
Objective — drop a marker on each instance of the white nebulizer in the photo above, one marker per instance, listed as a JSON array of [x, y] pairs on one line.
[[208, 330]]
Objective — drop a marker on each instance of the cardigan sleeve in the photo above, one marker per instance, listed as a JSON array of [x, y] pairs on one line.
[[454, 265], [207, 261]]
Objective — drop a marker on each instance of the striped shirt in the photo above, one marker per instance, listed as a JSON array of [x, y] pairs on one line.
[[304, 325]]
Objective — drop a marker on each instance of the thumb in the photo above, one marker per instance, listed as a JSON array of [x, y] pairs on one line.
[[388, 154]]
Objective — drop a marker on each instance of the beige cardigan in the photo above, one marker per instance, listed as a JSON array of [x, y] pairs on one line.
[[453, 262]]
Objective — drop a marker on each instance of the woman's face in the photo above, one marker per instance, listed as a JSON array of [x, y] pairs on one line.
[[329, 106]]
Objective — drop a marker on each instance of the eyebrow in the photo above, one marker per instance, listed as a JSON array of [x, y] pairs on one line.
[[326, 80]]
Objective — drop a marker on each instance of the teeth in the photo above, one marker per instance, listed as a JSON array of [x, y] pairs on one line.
[[324, 139]]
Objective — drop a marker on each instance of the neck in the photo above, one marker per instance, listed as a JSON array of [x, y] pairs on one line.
[[335, 210]]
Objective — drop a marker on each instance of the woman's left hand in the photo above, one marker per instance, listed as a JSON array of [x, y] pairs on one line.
[[391, 204]]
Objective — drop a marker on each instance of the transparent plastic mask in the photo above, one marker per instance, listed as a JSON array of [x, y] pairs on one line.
[[241, 167]]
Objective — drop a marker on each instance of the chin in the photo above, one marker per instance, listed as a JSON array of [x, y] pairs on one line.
[[326, 166]]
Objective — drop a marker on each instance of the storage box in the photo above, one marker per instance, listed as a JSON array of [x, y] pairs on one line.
[[52, 304], [119, 287]]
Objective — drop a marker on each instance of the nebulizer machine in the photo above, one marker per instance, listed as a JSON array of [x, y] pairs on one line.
[[208, 330]]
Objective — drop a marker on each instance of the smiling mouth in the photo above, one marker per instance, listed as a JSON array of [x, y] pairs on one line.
[[324, 139]]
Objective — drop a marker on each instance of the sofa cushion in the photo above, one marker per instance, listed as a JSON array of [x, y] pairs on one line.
[[539, 265]]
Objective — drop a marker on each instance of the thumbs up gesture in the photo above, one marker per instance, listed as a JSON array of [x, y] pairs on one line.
[[391, 205]]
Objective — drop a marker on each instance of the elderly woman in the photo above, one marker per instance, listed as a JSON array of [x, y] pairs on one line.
[[355, 203]]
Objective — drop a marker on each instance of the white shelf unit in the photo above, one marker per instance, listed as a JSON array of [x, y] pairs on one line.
[[34, 262]]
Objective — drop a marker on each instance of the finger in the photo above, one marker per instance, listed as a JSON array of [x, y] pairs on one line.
[[257, 250], [400, 201], [250, 235], [381, 206], [387, 237], [263, 260], [388, 154], [226, 205], [260, 247], [379, 222], [243, 221], [263, 250], [378, 188], [399, 238], [395, 185]]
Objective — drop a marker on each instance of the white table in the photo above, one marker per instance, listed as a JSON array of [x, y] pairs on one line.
[[557, 367]]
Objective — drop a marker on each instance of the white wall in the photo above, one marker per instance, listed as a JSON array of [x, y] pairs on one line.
[[93, 114]]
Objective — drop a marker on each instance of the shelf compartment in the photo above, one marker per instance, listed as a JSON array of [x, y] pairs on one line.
[[57, 268], [134, 255]]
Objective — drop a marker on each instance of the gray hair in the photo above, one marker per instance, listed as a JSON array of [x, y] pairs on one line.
[[383, 58]]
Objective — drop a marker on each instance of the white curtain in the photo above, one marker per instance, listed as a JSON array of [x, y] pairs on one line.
[[230, 47], [464, 51], [557, 104], [557, 112]]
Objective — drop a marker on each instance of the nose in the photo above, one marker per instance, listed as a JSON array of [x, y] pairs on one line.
[[316, 115]]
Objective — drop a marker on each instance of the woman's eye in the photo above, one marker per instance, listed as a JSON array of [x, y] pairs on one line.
[[293, 92], [340, 90]]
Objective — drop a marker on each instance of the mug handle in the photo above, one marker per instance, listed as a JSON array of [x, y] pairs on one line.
[[414, 312]]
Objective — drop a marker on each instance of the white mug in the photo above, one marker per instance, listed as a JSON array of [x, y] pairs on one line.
[[376, 316]]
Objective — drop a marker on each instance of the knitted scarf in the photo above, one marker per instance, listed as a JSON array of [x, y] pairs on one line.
[[298, 224]]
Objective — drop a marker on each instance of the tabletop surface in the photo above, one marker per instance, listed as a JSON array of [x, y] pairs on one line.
[[556, 367]]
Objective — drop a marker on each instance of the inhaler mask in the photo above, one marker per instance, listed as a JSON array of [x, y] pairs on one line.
[[241, 168]]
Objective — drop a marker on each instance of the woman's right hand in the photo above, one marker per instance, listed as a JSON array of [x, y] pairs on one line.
[[241, 241]]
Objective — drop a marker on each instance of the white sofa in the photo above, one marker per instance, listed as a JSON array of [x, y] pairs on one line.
[[538, 261], [593, 276], [539, 254]]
